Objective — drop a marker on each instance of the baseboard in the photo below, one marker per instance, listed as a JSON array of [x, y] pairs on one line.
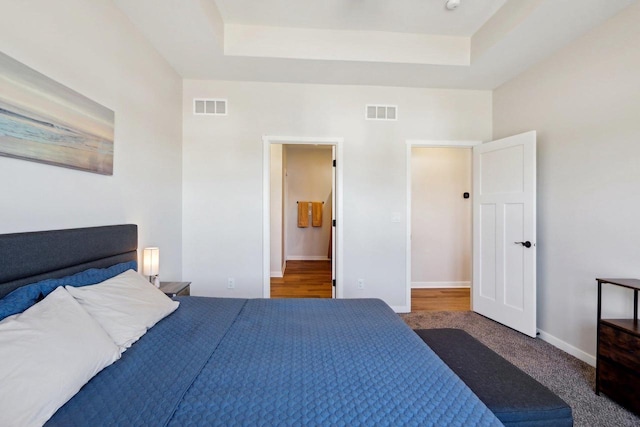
[[401, 308], [277, 274], [567, 348], [307, 258], [435, 285]]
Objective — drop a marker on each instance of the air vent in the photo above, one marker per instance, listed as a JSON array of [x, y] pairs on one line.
[[381, 112], [210, 107]]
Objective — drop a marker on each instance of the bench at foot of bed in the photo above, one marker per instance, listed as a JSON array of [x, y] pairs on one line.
[[515, 397]]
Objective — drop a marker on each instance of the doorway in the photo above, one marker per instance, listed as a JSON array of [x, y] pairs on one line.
[[439, 224], [504, 228], [441, 228], [302, 211], [301, 220]]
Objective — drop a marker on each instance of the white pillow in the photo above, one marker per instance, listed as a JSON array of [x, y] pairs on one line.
[[125, 306], [47, 353]]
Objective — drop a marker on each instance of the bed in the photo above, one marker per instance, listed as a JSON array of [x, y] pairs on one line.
[[227, 361]]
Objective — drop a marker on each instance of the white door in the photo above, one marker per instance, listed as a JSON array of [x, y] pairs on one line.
[[333, 223], [504, 231]]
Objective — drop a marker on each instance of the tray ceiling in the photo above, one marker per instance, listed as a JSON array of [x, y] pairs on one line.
[[411, 43]]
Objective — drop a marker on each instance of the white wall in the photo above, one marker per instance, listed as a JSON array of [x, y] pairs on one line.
[[441, 217], [276, 215], [584, 102], [94, 49], [309, 170], [222, 163]]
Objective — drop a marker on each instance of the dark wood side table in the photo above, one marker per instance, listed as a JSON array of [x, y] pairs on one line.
[[172, 289], [618, 357]]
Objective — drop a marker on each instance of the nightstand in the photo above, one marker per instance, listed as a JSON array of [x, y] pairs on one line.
[[172, 289], [618, 357]]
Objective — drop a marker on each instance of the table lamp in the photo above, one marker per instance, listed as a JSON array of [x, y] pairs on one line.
[[151, 264]]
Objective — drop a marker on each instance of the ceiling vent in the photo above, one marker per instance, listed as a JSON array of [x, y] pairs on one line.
[[381, 112], [209, 107]]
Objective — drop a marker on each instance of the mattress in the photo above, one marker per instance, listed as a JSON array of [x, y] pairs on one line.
[[218, 361]]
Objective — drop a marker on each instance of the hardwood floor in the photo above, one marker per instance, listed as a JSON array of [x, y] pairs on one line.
[[445, 299], [312, 279], [303, 279]]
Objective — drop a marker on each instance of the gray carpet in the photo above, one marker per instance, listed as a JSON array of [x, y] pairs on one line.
[[568, 377]]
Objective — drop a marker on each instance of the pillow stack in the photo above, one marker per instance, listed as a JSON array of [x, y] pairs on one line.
[[50, 350], [126, 306], [48, 353]]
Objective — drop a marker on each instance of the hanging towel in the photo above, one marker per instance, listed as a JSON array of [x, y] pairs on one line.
[[316, 214], [303, 214]]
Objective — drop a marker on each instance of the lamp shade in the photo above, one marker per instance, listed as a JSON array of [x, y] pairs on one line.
[[150, 261]]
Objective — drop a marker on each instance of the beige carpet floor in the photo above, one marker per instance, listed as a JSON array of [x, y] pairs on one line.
[[568, 377]]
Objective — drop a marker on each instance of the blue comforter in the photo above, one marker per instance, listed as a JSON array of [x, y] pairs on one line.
[[277, 362]]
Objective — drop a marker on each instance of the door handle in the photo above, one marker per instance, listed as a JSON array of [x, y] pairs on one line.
[[526, 244]]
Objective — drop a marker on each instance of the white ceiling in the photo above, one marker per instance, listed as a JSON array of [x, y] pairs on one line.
[[411, 43], [403, 16]]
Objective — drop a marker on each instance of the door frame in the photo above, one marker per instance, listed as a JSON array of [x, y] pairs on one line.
[[410, 144], [267, 141]]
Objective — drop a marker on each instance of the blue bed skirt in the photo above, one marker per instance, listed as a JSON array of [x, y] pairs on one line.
[[218, 361]]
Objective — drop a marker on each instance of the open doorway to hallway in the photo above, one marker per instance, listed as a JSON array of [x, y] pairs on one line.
[[441, 218], [302, 210]]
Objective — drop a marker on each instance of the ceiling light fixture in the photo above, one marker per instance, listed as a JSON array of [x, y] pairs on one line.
[[452, 4]]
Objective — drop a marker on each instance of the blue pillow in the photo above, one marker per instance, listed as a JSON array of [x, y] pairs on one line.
[[26, 296]]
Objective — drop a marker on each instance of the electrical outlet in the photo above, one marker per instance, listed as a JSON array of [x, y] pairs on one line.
[[231, 283], [360, 283]]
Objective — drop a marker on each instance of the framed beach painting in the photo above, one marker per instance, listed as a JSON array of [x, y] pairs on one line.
[[44, 121]]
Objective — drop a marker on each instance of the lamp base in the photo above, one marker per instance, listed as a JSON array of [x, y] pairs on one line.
[[155, 280]]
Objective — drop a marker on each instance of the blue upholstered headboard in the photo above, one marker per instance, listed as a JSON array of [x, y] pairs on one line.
[[30, 257]]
